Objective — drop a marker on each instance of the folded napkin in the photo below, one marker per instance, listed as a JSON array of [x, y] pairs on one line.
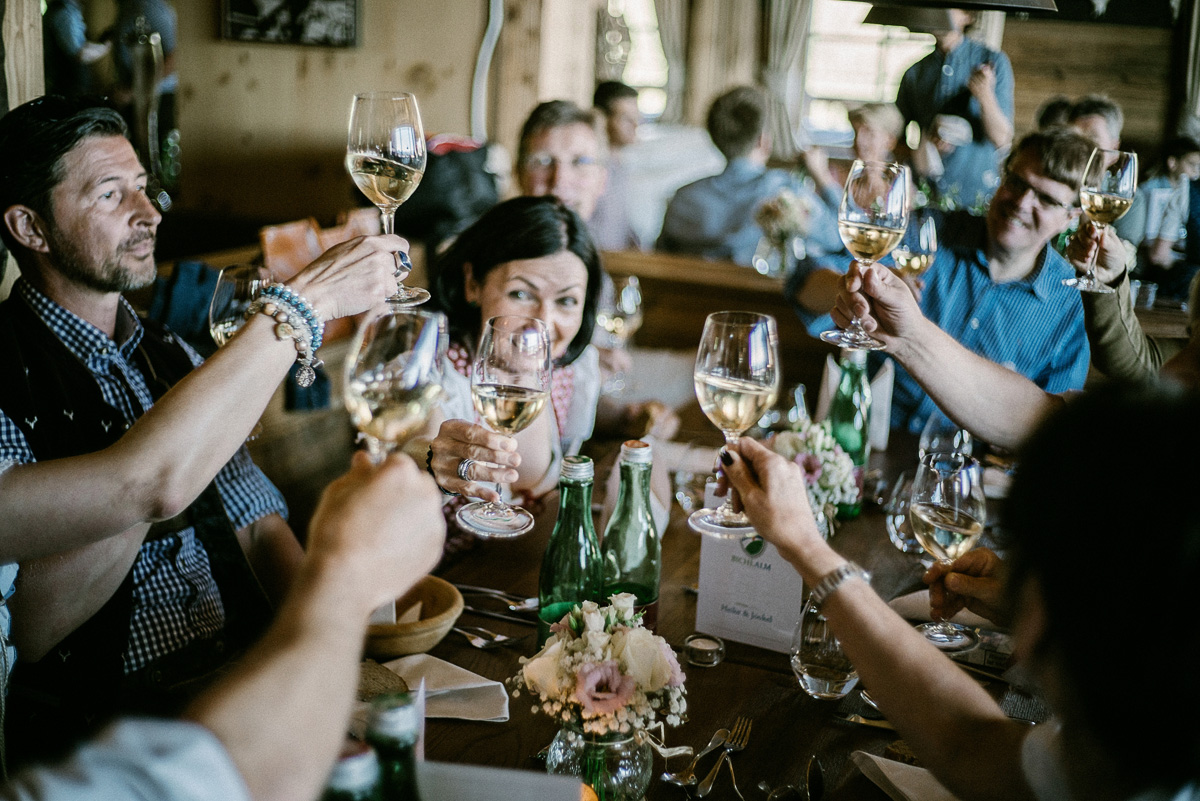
[[915, 606], [450, 691], [900, 781], [881, 399], [474, 783]]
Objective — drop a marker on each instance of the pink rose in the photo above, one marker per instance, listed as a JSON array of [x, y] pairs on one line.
[[677, 676], [601, 689], [812, 467]]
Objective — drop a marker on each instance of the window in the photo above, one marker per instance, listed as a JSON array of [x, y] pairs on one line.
[[849, 62]]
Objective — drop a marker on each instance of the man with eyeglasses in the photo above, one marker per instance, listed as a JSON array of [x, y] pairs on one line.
[[715, 216], [996, 283], [562, 154]]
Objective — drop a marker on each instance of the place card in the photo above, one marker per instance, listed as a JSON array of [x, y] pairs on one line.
[[748, 593]]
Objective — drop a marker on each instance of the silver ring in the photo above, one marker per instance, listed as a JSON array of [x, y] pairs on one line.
[[403, 264], [463, 467]]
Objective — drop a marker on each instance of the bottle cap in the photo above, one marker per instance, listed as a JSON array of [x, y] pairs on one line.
[[635, 451], [578, 468], [394, 715], [357, 767]]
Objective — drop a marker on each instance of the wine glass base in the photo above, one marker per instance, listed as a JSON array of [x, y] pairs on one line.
[[949, 637], [1085, 284], [408, 296], [709, 522], [489, 521], [853, 340]]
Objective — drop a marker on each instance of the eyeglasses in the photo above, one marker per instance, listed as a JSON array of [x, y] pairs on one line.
[[1017, 187], [541, 162]]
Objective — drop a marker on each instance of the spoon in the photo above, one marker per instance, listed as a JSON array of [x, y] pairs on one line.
[[687, 776]]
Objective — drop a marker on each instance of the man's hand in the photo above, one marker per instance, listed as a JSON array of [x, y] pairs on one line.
[[380, 527], [974, 581], [982, 83], [883, 303], [1109, 251], [351, 276]]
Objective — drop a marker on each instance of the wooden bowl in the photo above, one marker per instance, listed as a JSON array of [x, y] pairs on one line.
[[441, 604]]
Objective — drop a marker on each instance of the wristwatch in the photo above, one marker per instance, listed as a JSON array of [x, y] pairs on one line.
[[834, 579]]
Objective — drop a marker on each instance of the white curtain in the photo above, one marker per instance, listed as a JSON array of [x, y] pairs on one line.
[[672, 30], [1189, 118], [787, 48]]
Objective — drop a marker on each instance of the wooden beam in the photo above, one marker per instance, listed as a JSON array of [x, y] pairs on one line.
[[23, 70]]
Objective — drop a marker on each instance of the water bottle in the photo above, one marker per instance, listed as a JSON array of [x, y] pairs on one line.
[[571, 567], [631, 550], [392, 730], [849, 420]]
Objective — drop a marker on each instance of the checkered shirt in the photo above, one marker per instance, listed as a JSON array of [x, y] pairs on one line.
[[175, 598]]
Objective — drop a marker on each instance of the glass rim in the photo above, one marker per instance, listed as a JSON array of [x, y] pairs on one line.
[[967, 460], [739, 318], [377, 94]]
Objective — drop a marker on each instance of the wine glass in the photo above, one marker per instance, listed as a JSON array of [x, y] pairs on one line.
[[510, 385], [737, 381], [941, 434], [394, 377], [947, 512], [619, 316], [1109, 183], [871, 219], [916, 252], [237, 286], [385, 155]]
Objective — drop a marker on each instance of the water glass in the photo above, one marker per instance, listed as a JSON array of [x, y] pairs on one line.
[[817, 658], [895, 509]]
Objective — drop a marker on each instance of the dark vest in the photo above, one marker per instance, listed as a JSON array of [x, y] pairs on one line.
[[80, 684]]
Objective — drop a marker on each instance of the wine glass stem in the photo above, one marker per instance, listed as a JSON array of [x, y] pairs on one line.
[[855, 322], [387, 218], [727, 510], [1091, 270]]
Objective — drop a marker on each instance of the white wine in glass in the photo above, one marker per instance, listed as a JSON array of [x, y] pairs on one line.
[[394, 377], [872, 218], [1109, 184], [385, 155], [916, 252], [510, 386], [947, 512], [737, 380]]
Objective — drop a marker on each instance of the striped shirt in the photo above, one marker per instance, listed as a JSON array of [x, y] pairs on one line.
[[175, 598], [1033, 326]]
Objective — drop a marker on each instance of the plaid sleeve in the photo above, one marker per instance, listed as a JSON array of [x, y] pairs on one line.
[[247, 493], [14, 448]]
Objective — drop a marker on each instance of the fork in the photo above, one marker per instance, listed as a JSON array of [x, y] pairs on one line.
[[739, 736], [484, 638]]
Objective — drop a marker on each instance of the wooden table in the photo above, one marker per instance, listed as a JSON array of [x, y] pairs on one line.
[[788, 724]]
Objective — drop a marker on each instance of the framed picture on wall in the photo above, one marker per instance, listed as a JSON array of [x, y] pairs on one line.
[[325, 23]]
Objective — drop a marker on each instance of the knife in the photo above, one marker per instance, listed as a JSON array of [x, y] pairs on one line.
[[499, 615], [879, 724]]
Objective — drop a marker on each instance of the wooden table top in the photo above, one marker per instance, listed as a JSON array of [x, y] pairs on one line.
[[788, 724]]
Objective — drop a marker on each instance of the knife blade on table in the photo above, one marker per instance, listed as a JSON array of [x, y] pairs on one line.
[[499, 615], [879, 724]]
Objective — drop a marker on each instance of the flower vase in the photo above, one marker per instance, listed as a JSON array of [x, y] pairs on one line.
[[616, 766]]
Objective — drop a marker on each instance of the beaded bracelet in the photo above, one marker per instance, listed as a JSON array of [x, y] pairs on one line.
[[295, 319]]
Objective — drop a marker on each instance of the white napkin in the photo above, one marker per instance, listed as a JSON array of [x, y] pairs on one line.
[[881, 399], [915, 606], [450, 691], [900, 781], [474, 783]]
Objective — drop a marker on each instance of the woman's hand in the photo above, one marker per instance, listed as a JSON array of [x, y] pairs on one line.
[[773, 495], [974, 581], [495, 455], [351, 276]]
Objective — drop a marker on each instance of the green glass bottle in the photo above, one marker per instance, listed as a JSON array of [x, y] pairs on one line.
[[355, 777], [392, 730], [849, 420], [631, 549], [571, 568]]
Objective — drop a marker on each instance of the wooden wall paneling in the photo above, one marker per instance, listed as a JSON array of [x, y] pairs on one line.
[[515, 70], [724, 51], [1131, 65], [24, 78]]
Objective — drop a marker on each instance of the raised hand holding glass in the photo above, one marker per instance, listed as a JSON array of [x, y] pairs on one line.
[[1109, 184]]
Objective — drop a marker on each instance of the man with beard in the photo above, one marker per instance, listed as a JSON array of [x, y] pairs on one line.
[[150, 547], [996, 283]]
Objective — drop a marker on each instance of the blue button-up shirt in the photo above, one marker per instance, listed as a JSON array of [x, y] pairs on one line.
[[175, 598], [714, 217], [1033, 326], [937, 84]]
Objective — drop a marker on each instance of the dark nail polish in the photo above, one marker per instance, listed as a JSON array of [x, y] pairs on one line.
[[726, 457]]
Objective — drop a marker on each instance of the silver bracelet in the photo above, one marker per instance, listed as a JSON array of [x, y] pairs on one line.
[[836, 578]]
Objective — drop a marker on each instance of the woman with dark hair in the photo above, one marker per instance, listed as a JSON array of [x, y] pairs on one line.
[[1083, 569], [532, 257]]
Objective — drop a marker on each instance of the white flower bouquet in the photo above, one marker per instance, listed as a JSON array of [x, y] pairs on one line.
[[602, 670], [828, 470], [784, 216]]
